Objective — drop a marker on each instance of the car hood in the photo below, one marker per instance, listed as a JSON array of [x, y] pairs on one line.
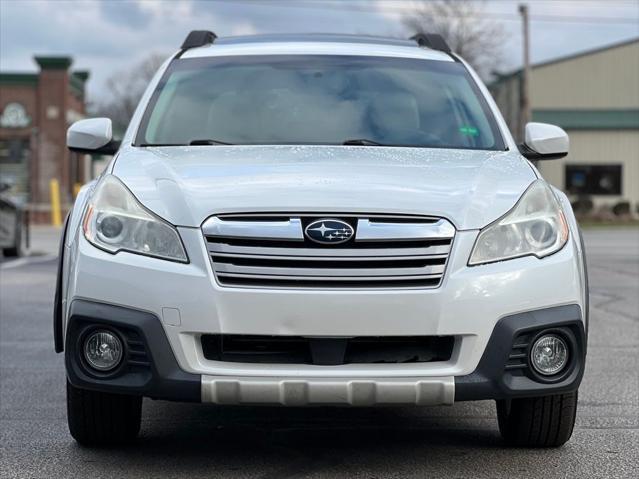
[[185, 185]]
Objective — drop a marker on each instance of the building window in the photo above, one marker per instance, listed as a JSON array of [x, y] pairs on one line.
[[14, 150], [14, 167], [593, 179]]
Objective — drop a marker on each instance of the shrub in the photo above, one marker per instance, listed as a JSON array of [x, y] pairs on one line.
[[583, 205], [622, 208]]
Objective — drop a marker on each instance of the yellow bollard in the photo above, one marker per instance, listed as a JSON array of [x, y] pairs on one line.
[[56, 214], [76, 189]]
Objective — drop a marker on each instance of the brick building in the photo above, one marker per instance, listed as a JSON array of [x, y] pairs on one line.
[[35, 112]]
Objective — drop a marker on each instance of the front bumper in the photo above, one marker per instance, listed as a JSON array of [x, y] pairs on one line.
[[183, 302], [189, 303], [149, 367], [154, 372]]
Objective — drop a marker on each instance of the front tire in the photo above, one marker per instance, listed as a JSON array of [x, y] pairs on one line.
[[98, 418], [545, 421]]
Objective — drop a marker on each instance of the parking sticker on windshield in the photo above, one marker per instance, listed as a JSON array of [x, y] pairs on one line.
[[469, 130]]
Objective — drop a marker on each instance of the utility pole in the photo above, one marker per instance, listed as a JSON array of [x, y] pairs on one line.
[[524, 100]]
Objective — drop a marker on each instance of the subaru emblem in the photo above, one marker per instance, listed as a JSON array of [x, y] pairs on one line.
[[329, 231]]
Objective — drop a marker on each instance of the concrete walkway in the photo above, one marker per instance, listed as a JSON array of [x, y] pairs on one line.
[[44, 240]]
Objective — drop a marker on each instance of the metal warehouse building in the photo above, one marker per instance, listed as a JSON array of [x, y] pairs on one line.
[[594, 96]]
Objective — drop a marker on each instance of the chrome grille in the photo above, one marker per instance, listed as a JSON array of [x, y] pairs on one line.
[[271, 251]]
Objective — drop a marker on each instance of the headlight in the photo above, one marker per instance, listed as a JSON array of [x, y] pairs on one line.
[[535, 226], [115, 221]]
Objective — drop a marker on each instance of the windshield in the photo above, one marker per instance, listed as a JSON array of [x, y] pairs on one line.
[[320, 100]]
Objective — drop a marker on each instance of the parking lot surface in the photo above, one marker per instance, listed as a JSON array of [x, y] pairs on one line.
[[199, 440]]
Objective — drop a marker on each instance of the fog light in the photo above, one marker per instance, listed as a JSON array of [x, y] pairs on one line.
[[103, 350], [549, 355]]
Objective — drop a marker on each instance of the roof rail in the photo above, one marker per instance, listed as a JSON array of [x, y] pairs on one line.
[[432, 40], [198, 38]]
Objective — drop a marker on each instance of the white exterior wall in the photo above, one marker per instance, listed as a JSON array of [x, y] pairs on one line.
[[607, 79], [601, 147]]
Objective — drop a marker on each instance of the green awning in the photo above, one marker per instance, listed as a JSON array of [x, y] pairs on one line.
[[626, 119]]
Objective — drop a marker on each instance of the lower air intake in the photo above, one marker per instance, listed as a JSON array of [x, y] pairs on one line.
[[326, 351]]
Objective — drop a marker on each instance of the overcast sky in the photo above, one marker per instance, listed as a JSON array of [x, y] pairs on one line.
[[110, 35]]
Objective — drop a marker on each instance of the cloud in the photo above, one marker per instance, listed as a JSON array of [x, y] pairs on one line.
[[244, 28], [130, 14], [106, 37]]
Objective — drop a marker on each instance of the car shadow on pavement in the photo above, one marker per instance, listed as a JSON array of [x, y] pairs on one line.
[[282, 442]]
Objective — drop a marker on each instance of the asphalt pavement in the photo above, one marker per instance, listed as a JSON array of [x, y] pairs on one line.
[[199, 440]]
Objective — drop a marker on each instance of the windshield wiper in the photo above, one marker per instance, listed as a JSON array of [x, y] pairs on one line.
[[208, 142], [362, 142]]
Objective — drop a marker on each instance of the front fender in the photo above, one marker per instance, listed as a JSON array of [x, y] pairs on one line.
[[575, 232], [75, 215], [71, 223]]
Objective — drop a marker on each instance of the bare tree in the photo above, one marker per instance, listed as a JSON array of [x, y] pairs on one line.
[[478, 40], [125, 89]]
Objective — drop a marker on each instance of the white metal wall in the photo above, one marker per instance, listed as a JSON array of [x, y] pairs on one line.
[[606, 79], [601, 147]]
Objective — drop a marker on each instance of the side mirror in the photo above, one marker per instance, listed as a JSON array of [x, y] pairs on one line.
[[94, 135], [544, 142]]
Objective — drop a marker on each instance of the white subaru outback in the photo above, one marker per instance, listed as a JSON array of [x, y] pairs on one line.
[[321, 220]]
